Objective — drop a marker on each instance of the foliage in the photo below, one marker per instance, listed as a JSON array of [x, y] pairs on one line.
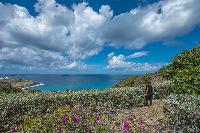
[[13, 107], [184, 72], [133, 81], [161, 86], [82, 119], [183, 112], [7, 88]]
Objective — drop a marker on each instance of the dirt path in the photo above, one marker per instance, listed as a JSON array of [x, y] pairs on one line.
[[154, 117]]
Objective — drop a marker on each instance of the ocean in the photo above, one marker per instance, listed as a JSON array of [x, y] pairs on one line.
[[71, 82]]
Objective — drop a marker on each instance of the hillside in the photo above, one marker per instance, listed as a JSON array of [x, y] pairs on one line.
[[183, 72]]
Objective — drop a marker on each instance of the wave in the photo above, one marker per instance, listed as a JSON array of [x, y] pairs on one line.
[[4, 78]]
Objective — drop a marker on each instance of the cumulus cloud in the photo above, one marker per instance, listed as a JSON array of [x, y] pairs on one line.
[[157, 22], [55, 29], [120, 63], [37, 58], [64, 37]]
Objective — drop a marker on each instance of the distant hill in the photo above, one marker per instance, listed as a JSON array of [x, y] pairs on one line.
[[183, 73]]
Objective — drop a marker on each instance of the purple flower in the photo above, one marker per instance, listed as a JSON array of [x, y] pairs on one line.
[[85, 118], [13, 128], [116, 113], [130, 117], [126, 127], [65, 118], [141, 122], [116, 123], [97, 118], [75, 119]]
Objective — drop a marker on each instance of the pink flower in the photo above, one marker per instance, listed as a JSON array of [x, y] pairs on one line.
[[75, 119], [65, 118], [126, 127]]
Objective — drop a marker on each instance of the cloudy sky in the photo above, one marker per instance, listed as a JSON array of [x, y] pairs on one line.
[[95, 36]]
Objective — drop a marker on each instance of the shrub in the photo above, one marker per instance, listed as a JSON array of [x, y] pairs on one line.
[[184, 72], [183, 112], [82, 119], [133, 81], [7, 88], [13, 107]]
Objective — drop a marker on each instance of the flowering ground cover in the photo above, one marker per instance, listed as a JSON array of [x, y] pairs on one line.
[[111, 110], [81, 119], [183, 112], [14, 107]]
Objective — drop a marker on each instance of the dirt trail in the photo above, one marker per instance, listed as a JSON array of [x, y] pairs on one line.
[[154, 117]]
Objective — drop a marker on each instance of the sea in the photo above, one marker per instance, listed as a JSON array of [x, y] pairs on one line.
[[53, 82]]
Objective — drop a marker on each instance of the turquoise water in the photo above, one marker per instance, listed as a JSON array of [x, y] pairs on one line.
[[73, 82]]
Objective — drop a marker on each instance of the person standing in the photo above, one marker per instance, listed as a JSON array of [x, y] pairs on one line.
[[148, 93]]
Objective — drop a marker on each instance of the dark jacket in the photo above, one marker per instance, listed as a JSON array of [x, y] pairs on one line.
[[149, 90]]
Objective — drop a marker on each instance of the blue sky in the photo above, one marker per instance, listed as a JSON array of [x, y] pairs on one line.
[[95, 36]]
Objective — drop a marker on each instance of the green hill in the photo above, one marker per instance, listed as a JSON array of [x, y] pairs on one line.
[[183, 74]]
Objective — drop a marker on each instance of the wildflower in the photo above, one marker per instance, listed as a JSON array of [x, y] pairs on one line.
[[116, 113], [130, 117], [65, 119], [116, 123], [13, 128], [141, 122], [126, 127], [85, 118], [97, 118], [75, 119]]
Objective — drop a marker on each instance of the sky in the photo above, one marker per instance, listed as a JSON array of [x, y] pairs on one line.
[[95, 36]]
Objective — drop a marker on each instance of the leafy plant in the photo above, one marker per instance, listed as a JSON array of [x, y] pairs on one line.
[[183, 112], [184, 72]]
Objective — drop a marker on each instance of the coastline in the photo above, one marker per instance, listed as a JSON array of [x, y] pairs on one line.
[[22, 84]]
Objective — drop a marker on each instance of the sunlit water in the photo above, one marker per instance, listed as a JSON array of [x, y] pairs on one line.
[[74, 82]]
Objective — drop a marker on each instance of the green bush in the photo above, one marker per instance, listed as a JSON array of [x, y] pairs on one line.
[[87, 120], [7, 88], [183, 112], [13, 107], [184, 72], [133, 81]]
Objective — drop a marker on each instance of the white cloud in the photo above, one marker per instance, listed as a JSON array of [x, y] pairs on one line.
[[64, 37], [119, 63], [138, 54], [157, 22], [37, 58]]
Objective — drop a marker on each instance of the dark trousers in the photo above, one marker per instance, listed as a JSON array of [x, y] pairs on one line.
[[148, 97]]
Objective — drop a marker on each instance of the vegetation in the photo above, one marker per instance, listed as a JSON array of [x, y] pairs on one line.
[[7, 88], [183, 112], [184, 72], [16, 106], [81, 119], [133, 81]]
